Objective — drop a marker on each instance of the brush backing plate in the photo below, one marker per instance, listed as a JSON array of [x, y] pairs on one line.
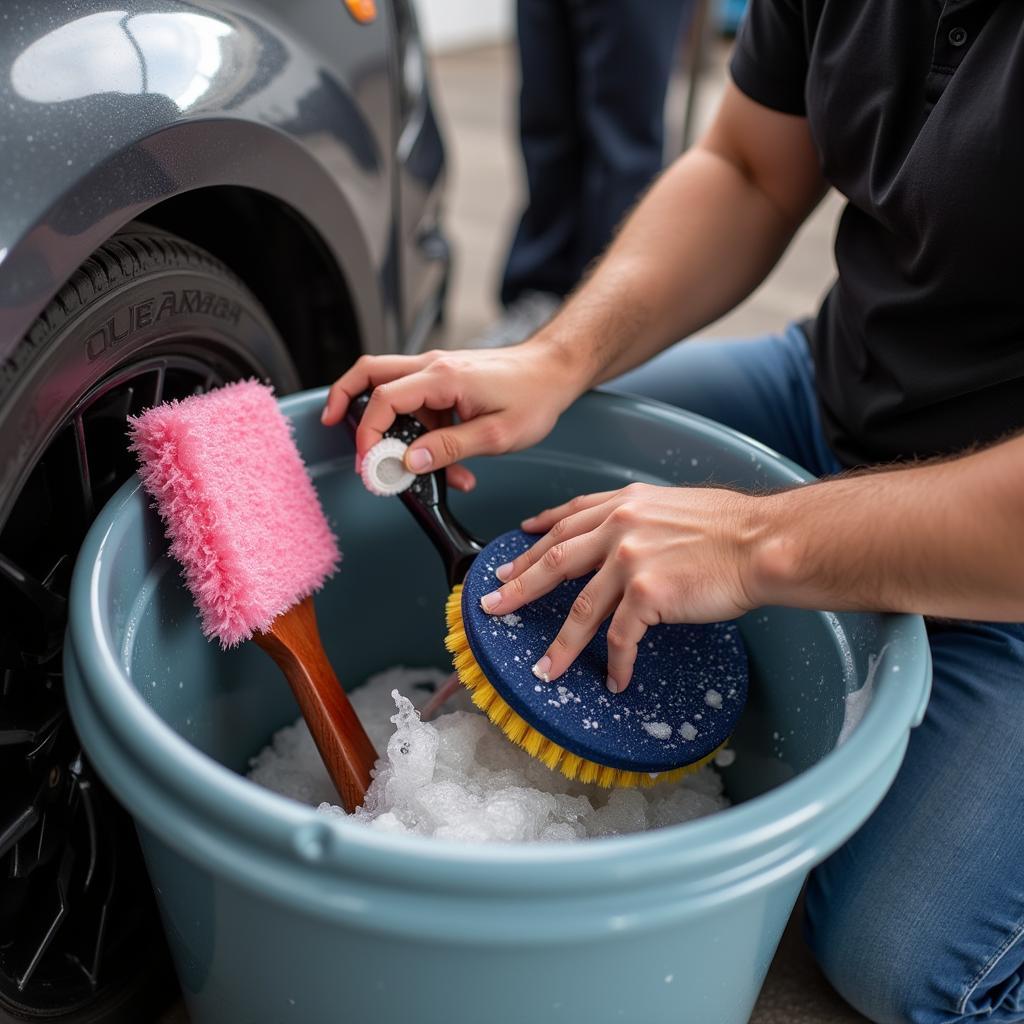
[[663, 720]]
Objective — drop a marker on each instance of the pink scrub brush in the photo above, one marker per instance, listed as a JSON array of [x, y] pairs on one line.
[[244, 521]]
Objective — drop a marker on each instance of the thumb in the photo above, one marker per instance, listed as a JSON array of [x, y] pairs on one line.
[[440, 448]]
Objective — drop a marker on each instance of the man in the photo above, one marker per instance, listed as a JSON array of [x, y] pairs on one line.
[[914, 366], [593, 76]]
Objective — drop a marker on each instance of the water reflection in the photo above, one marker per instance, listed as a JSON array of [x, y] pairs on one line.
[[178, 55]]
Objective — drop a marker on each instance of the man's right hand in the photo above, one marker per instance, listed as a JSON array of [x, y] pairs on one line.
[[505, 399]]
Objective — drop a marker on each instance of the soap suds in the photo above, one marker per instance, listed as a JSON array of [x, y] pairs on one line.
[[856, 703], [659, 730], [458, 777]]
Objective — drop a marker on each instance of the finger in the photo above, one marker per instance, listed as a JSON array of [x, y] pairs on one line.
[[593, 604], [625, 631], [461, 478], [433, 420], [367, 371], [565, 529], [562, 562], [482, 435], [406, 395], [543, 521], [458, 476]]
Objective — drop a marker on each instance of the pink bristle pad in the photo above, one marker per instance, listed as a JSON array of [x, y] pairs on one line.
[[240, 509]]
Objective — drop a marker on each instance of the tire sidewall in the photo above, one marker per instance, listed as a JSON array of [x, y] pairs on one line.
[[186, 310]]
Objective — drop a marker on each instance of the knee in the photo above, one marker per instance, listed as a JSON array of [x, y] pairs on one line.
[[879, 956]]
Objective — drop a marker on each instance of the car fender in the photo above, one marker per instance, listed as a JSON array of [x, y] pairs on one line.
[[105, 113]]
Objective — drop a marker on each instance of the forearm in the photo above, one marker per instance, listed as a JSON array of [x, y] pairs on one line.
[[940, 539], [699, 242]]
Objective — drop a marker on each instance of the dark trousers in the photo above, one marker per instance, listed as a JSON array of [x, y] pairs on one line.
[[594, 76]]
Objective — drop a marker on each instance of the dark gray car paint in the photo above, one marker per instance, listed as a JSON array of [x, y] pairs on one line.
[[107, 108]]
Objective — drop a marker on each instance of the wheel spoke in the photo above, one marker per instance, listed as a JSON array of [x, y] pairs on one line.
[[17, 827], [59, 912], [46, 738], [22, 730], [158, 390], [91, 946], [84, 479], [85, 795], [52, 606], [30, 706]]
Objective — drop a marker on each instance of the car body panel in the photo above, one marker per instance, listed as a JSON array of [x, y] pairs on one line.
[[107, 108]]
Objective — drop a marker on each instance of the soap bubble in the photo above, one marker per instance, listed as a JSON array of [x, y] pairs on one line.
[[458, 777]]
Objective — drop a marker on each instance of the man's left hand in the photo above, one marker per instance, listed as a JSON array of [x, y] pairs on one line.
[[662, 554]]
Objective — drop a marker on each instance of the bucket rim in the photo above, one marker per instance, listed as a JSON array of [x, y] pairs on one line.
[[230, 803]]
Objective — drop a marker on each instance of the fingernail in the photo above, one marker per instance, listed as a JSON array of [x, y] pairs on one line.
[[490, 601], [419, 460], [542, 668], [527, 523], [502, 571], [359, 463], [613, 686], [323, 415]]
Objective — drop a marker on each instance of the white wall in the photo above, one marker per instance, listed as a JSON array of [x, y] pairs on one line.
[[451, 24]]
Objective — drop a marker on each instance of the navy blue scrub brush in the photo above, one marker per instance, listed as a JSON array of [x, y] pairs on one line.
[[689, 684]]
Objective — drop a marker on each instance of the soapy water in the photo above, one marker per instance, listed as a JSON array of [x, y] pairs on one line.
[[458, 777]]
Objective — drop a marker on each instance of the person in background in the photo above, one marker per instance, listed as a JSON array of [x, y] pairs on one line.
[[905, 393], [594, 74]]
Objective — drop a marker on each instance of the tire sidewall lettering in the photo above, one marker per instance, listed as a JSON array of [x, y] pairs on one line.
[[179, 307]]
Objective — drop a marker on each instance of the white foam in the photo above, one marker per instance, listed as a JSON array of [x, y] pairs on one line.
[[458, 777], [659, 730], [856, 703]]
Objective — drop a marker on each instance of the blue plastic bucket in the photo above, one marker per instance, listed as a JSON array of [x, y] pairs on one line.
[[275, 913]]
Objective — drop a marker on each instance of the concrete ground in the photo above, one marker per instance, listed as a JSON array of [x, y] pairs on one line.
[[475, 94]]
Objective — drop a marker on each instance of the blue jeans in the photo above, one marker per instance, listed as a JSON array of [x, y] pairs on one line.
[[919, 918], [591, 127]]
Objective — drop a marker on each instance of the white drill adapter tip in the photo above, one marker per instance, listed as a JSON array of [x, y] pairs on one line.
[[384, 471]]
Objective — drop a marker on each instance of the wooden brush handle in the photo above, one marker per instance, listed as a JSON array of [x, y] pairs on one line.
[[293, 641]]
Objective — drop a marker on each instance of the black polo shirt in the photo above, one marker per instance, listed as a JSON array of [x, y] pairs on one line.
[[916, 108]]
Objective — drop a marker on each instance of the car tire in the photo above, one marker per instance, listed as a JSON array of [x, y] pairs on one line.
[[149, 316]]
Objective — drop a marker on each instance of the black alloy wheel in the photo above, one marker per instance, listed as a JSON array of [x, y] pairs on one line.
[[148, 317]]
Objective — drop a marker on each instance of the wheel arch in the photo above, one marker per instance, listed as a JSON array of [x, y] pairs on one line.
[[111, 114], [283, 260], [210, 181]]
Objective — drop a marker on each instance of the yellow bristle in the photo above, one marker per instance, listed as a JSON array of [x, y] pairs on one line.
[[520, 732], [551, 754], [532, 742], [516, 731]]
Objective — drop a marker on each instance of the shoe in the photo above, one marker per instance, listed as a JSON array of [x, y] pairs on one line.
[[525, 315]]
